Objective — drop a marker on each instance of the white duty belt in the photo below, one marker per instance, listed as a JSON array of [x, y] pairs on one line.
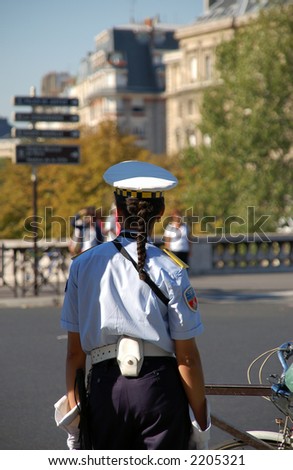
[[110, 351], [129, 352]]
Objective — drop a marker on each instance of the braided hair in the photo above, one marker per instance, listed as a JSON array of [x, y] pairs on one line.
[[140, 216]]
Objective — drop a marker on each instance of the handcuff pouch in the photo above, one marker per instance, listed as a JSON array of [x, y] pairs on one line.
[[130, 355]]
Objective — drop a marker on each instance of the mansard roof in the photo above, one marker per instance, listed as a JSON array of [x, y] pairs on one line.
[[234, 8]]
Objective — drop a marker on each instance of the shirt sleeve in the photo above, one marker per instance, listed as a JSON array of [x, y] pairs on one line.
[[183, 310], [69, 313]]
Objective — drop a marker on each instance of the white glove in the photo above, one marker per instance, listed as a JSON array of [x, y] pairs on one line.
[[199, 437], [68, 420], [73, 441]]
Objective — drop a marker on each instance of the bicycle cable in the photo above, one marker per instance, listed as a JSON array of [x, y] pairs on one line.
[[269, 353]]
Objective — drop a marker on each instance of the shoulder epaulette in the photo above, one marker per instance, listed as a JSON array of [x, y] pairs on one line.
[[175, 258]]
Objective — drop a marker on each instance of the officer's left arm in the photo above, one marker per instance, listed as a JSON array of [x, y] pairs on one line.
[[75, 359]]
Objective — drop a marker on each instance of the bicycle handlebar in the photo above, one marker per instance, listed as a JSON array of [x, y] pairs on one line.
[[284, 353]]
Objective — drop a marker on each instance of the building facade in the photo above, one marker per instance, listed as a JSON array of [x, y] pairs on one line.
[[149, 78], [123, 80], [191, 69]]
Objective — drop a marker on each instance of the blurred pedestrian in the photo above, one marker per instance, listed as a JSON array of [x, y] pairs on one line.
[[110, 226], [176, 237], [87, 230]]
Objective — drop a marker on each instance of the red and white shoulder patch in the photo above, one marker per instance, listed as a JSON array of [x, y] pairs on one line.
[[190, 298]]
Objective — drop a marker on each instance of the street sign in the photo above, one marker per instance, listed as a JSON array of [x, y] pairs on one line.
[[46, 117], [47, 154], [45, 133], [44, 101]]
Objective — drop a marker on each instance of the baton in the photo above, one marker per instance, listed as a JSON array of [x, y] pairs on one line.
[[84, 436]]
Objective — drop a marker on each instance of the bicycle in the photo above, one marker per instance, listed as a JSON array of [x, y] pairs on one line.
[[280, 396]]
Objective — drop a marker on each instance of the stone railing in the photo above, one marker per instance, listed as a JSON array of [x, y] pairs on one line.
[[210, 255], [272, 252], [18, 271]]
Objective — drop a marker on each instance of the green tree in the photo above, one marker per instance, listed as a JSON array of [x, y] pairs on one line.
[[63, 190], [248, 117], [15, 201]]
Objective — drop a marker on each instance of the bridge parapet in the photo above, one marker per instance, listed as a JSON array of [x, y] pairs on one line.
[[272, 252]]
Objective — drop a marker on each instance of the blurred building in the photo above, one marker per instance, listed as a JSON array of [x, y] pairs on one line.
[[7, 145], [54, 83], [123, 80], [191, 68], [5, 128], [149, 77]]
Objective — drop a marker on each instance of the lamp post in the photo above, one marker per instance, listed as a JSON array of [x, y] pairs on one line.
[[34, 179]]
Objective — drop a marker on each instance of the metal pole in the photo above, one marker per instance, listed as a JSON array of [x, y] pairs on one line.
[[241, 435], [34, 178], [240, 390]]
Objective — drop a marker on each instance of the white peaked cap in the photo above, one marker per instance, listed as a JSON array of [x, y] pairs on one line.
[[138, 176]]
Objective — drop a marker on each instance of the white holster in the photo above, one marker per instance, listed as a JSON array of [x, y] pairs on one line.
[[130, 355]]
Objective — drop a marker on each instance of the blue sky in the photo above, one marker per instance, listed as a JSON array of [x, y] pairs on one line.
[[41, 36]]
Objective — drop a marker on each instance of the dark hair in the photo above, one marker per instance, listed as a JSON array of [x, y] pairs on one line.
[[140, 215]]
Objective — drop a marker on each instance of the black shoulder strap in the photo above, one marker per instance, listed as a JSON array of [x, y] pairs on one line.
[[148, 280]]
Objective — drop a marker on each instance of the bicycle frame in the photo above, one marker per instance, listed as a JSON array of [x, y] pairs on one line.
[[279, 395], [254, 439]]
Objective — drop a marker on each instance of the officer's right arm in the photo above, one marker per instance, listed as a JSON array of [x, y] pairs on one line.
[[75, 360]]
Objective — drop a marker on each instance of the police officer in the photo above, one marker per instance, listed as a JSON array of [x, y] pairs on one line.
[[131, 308]]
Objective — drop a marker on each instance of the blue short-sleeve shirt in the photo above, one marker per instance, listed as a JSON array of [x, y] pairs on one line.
[[105, 298]]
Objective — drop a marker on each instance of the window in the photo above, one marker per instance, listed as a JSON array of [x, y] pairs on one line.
[[98, 60], [191, 136], [117, 59], [121, 78], [178, 138], [110, 80], [207, 140], [159, 37], [193, 69], [120, 106], [137, 105], [160, 75], [191, 106], [157, 58], [139, 132], [208, 67], [175, 77], [111, 105], [192, 140]]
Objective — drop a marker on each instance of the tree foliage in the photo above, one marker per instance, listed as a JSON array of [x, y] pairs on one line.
[[249, 163], [63, 190], [248, 117]]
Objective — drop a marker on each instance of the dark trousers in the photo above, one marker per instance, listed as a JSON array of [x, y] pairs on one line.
[[145, 412]]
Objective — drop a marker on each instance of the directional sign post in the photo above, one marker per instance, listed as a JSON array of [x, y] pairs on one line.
[[46, 117], [47, 154], [44, 101], [46, 133], [35, 153]]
